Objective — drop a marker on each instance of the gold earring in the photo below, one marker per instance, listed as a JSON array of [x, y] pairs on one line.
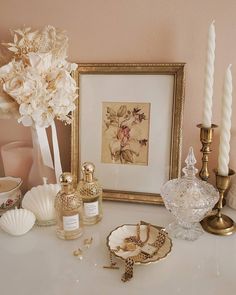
[[78, 253], [88, 242]]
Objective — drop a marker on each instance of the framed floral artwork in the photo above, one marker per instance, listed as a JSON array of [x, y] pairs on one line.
[[125, 133], [128, 122]]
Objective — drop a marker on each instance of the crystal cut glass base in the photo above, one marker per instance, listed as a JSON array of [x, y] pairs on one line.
[[191, 233]]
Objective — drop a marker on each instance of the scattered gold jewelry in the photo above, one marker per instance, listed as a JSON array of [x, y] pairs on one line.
[[111, 267], [88, 242], [147, 251], [78, 253], [129, 266], [159, 242], [112, 263], [136, 239], [128, 246]]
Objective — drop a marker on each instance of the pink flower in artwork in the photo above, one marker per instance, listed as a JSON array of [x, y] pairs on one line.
[[123, 135], [125, 144]]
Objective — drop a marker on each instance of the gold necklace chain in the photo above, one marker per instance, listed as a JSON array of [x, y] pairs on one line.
[[130, 245], [136, 239], [129, 262]]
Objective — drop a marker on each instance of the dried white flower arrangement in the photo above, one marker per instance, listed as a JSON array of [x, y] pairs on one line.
[[38, 77]]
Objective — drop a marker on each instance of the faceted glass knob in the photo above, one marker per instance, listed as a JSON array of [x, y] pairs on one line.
[[190, 170]]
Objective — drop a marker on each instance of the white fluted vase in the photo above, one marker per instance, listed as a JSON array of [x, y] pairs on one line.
[[38, 169]]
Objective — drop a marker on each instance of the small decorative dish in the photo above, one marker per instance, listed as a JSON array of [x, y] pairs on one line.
[[141, 243], [131, 240], [10, 194], [17, 222]]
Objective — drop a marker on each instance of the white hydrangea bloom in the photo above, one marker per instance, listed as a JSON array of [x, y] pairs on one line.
[[39, 78]]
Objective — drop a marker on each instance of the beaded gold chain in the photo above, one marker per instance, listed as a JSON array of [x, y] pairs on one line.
[[131, 243], [129, 262], [136, 239]]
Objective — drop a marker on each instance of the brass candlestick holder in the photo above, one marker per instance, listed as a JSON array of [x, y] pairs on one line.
[[206, 136], [218, 223]]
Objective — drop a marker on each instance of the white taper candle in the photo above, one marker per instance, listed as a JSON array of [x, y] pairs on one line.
[[209, 77], [224, 148]]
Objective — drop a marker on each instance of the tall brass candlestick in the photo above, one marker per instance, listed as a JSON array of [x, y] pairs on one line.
[[206, 136], [220, 224]]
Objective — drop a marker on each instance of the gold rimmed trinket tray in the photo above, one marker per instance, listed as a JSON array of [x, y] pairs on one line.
[[141, 242]]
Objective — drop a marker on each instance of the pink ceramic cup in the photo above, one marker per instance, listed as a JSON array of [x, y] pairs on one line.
[[17, 160]]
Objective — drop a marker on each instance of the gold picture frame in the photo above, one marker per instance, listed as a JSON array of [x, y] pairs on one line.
[[172, 71]]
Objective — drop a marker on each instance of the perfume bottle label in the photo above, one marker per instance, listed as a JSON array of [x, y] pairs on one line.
[[91, 209], [71, 222]]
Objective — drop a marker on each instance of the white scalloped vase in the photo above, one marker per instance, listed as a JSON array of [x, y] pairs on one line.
[[17, 222], [40, 200]]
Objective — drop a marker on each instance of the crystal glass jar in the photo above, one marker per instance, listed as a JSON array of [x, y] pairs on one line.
[[189, 199]]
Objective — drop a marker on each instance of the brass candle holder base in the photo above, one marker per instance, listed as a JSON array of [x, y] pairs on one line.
[[222, 226], [206, 136], [218, 223]]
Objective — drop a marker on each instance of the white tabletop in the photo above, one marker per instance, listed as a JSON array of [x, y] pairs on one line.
[[38, 263]]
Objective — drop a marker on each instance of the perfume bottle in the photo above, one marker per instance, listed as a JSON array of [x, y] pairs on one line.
[[91, 193], [69, 210]]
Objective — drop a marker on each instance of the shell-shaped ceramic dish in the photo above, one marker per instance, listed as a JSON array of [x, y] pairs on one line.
[[40, 200], [17, 222], [116, 238]]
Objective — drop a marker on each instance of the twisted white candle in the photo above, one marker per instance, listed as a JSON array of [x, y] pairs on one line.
[[209, 77], [223, 159]]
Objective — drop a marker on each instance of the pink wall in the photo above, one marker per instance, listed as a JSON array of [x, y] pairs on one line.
[[137, 31]]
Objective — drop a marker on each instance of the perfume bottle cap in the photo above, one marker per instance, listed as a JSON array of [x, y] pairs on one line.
[[88, 170], [66, 178]]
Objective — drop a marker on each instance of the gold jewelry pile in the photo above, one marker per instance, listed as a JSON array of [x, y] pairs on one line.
[[147, 250]]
